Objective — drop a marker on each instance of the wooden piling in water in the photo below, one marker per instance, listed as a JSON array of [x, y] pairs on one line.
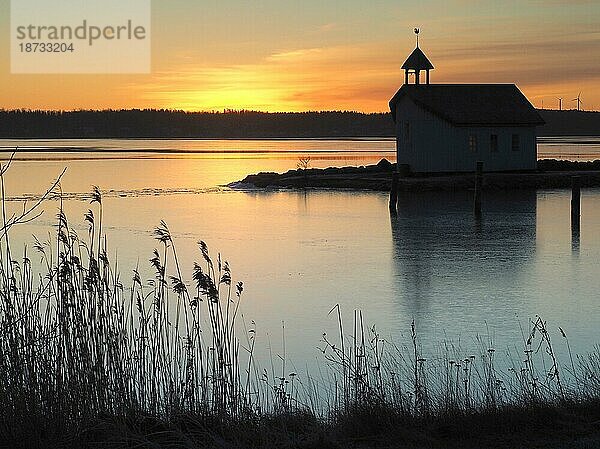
[[575, 198], [394, 193], [478, 187], [575, 236]]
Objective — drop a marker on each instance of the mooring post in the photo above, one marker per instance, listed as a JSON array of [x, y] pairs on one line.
[[575, 213], [394, 193], [478, 187], [575, 198], [575, 236]]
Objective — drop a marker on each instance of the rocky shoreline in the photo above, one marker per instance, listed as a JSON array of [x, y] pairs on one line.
[[551, 174]]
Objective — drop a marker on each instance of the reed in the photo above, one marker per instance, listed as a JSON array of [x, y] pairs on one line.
[[77, 344]]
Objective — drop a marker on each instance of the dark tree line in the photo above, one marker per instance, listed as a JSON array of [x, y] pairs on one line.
[[153, 123], [570, 123], [174, 124]]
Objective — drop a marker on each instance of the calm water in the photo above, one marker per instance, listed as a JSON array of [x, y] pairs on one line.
[[300, 253]]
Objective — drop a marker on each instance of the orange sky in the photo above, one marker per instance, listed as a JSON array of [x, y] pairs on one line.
[[293, 56]]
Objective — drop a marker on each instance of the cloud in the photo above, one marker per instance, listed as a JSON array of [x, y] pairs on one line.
[[533, 62], [364, 76], [327, 27], [338, 77]]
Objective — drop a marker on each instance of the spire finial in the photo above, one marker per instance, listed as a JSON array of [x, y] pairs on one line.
[[417, 33]]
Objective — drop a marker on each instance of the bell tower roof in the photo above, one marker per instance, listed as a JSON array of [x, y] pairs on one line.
[[417, 61]]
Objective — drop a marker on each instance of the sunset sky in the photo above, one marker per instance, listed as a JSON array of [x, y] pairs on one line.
[[283, 55]]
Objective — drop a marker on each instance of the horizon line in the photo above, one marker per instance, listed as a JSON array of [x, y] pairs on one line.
[[227, 111]]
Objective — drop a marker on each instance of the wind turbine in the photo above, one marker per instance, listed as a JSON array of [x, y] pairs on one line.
[[578, 100]]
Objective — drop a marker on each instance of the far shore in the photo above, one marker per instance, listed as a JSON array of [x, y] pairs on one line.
[[551, 174]]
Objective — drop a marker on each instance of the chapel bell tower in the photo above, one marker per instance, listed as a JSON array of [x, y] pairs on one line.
[[416, 63]]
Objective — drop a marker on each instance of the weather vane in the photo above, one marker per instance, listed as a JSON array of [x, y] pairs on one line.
[[417, 33]]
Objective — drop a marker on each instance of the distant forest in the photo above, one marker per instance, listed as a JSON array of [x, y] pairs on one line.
[[232, 124]]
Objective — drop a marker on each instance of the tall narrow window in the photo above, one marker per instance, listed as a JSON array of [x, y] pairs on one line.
[[494, 143], [473, 143], [515, 142]]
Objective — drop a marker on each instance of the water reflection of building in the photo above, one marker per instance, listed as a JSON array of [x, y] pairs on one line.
[[441, 250]]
